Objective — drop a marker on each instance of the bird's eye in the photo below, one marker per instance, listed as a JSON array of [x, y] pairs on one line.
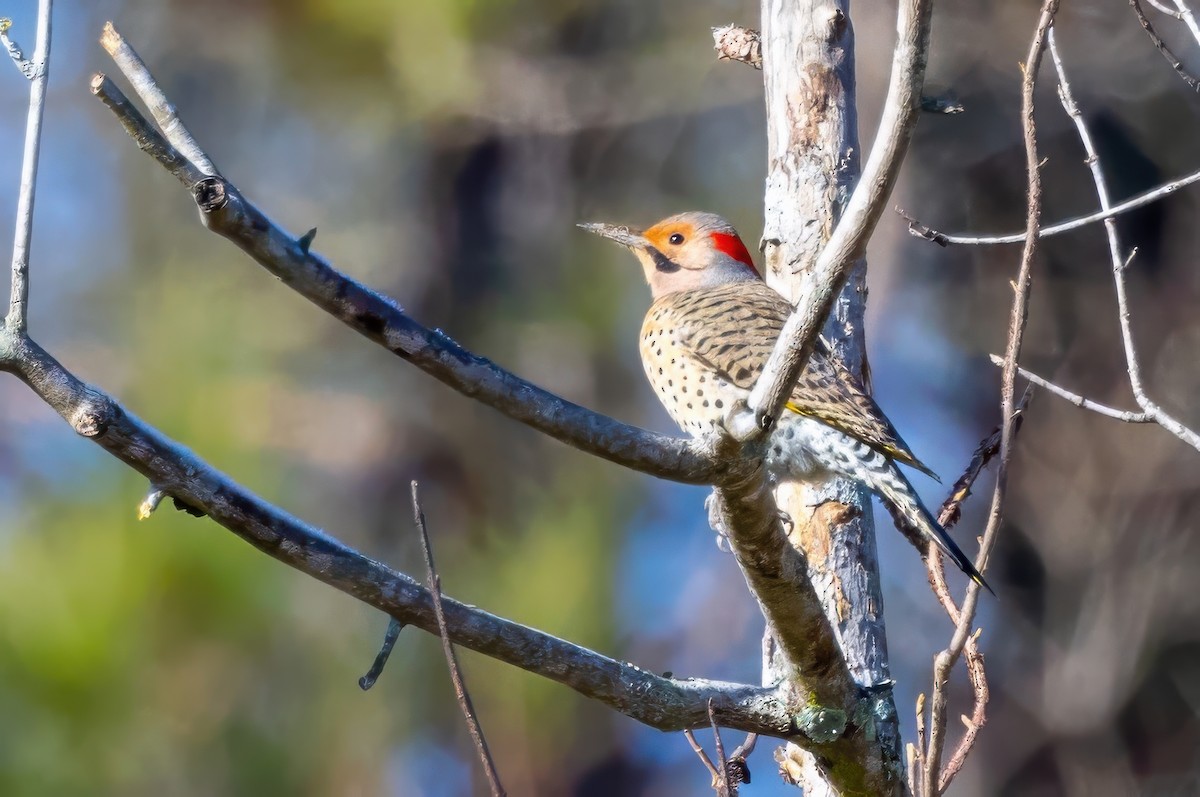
[[676, 238]]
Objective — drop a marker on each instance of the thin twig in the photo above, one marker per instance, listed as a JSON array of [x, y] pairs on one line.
[[987, 449], [914, 767], [946, 659], [18, 302], [460, 687], [979, 686], [1119, 262], [951, 509], [698, 749], [1170, 12], [921, 230], [726, 773], [1128, 416], [144, 134], [27, 65], [390, 636], [1162, 47], [160, 107], [1189, 19]]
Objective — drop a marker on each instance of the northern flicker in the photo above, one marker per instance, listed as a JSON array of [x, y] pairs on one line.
[[706, 338]]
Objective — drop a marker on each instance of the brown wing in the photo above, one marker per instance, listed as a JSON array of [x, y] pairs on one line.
[[732, 330]]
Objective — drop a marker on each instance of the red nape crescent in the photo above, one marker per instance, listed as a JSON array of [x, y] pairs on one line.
[[733, 246]]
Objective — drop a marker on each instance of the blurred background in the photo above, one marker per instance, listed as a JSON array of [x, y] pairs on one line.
[[445, 149]]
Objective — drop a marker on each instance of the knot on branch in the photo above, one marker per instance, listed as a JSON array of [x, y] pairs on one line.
[[93, 415], [211, 194]]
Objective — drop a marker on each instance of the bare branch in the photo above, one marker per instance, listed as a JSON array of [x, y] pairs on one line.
[[848, 242], [39, 74], [1128, 416], [727, 773], [1162, 47], [460, 686], [734, 43], [1189, 19], [777, 575], [26, 65], [945, 660], [144, 134], [1170, 12], [978, 718], [225, 211], [987, 449], [951, 509], [914, 767], [1141, 200], [664, 703], [698, 749], [163, 111], [1120, 265]]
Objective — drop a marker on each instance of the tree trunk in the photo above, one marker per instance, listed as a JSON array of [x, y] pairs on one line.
[[812, 166]]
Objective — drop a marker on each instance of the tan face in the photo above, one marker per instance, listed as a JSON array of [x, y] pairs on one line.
[[689, 251]]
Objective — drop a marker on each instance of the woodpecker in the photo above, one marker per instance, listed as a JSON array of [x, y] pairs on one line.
[[707, 336]]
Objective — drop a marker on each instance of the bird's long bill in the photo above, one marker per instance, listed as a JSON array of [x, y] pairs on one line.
[[621, 234]]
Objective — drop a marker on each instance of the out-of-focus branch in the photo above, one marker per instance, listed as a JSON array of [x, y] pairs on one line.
[[434, 583], [1120, 265], [735, 43], [1189, 18], [921, 230], [38, 72], [225, 211], [945, 660], [848, 242], [1170, 12], [1161, 46]]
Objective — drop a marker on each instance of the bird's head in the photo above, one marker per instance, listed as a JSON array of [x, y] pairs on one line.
[[685, 252]]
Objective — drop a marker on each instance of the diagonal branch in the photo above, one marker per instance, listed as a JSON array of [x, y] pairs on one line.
[[1162, 47], [664, 703], [38, 72], [227, 212], [848, 242], [162, 109]]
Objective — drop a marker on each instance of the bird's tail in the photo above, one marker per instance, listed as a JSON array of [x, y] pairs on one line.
[[917, 523]]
